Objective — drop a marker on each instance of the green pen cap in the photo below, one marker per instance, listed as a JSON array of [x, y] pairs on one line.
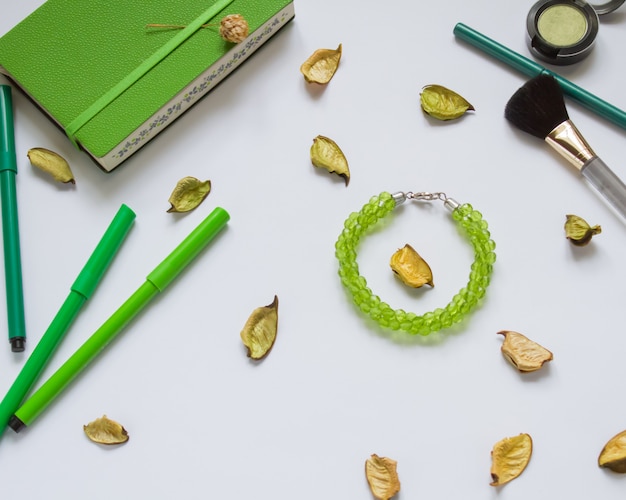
[[184, 253], [91, 274], [8, 160]]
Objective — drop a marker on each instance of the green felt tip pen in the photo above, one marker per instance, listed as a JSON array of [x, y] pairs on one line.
[[155, 282], [10, 226], [81, 290], [532, 69]]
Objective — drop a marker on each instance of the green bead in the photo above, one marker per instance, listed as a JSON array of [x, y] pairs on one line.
[[388, 314], [405, 325], [446, 319], [401, 315], [475, 216]]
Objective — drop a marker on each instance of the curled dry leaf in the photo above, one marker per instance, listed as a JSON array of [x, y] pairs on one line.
[[509, 458], [523, 353], [51, 163], [443, 103], [411, 268], [578, 231], [188, 194], [613, 455], [382, 477], [259, 332], [320, 67], [103, 430], [234, 28], [325, 153]]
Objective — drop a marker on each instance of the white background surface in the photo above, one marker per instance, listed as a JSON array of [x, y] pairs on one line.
[[205, 421]]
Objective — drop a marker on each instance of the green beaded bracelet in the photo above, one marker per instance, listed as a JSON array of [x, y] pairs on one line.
[[472, 224]]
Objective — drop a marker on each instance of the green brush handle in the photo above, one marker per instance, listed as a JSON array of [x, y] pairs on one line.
[[531, 68]]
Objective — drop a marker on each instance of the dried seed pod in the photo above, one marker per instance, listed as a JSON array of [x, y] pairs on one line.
[[259, 332], [234, 28], [52, 163], [411, 268], [188, 194], [509, 458], [443, 103], [613, 455], [103, 430], [382, 477], [578, 231], [325, 153], [523, 353], [321, 66]]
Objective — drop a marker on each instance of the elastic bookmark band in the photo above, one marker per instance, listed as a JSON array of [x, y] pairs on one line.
[[86, 116]]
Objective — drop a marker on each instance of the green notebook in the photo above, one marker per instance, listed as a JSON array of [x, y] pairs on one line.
[[111, 83]]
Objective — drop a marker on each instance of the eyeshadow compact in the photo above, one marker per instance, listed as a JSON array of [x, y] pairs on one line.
[[564, 31]]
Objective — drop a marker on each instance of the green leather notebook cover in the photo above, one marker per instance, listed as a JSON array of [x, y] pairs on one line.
[[73, 58]]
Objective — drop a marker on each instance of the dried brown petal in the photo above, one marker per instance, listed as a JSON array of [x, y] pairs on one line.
[[188, 194], [234, 28], [325, 153], [523, 353], [382, 477], [613, 455], [103, 430], [320, 67], [578, 231], [443, 103], [259, 332], [509, 458], [52, 163], [411, 268]]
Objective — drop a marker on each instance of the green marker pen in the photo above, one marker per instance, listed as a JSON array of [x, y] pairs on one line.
[[10, 226], [81, 290], [156, 282]]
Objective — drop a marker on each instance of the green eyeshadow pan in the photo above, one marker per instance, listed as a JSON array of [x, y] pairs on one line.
[[562, 25], [564, 31]]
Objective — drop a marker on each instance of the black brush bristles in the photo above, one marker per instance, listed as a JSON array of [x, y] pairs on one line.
[[537, 107]]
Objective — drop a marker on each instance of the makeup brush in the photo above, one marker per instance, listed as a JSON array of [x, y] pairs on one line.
[[538, 108]]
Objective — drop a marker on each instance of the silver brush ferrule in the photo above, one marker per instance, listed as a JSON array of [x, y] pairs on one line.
[[569, 142]]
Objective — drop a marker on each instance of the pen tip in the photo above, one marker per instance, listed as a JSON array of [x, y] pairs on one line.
[[16, 424], [17, 344]]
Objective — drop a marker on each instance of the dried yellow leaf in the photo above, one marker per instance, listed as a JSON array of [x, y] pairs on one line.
[[411, 268], [259, 332], [325, 153], [578, 231], [103, 430], [320, 67], [613, 455], [509, 458], [523, 353], [188, 194], [382, 477], [443, 103], [51, 163]]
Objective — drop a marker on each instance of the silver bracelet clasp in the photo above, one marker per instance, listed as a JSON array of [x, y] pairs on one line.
[[449, 203]]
